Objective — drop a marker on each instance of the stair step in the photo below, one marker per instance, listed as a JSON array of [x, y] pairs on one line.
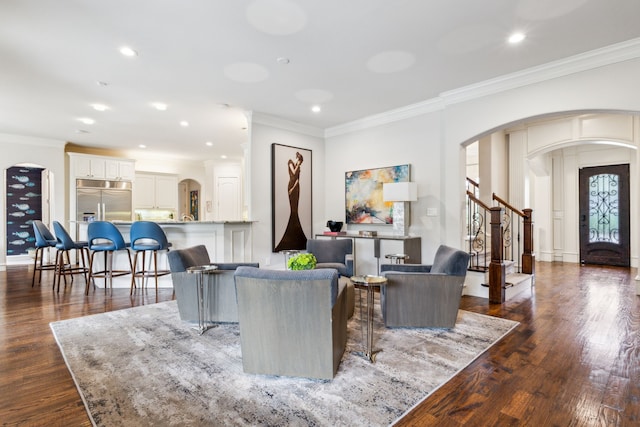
[[516, 278]]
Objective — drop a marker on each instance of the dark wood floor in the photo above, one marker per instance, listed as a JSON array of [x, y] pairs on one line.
[[574, 360]]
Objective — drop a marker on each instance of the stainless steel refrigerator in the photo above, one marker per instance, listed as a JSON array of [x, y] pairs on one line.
[[98, 200]]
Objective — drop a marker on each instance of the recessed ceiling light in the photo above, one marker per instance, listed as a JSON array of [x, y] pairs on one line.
[[209, 144], [142, 146], [516, 38], [283, 60], [99, 107], [223, 156], [316, 109], [86, 120], [159, 106], [127, 51], [184, 123]]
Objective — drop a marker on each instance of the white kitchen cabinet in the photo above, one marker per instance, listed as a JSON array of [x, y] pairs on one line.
[[120, 170], [88, 167], [152, 191], [99, 167]]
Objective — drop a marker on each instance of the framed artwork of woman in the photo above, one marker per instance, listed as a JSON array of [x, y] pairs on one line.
[[291, 192]]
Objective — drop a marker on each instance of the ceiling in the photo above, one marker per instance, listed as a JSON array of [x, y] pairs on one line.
[[210, 61]]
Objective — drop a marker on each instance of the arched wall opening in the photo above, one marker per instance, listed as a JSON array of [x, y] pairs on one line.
[[542, 158]]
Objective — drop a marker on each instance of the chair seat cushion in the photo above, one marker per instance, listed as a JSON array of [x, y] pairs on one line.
[[146, 247], [342, 269]]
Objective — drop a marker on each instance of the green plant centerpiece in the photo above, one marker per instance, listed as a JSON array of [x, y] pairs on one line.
[[305, 261]]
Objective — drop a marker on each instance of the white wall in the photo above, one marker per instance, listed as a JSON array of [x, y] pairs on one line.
[[431, 141], [262, 136], [46, 153], [416, 141]]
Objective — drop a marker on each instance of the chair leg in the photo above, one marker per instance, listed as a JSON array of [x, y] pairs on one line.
[[35, 267], [90, 278], [133, 274], [85, 252]]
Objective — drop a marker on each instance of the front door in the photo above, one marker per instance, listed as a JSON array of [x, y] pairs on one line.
[[604, 215]]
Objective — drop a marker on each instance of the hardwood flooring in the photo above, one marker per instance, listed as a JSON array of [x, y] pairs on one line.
[[574, 360]]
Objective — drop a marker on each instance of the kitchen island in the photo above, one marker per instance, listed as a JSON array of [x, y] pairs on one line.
[[226, 241]]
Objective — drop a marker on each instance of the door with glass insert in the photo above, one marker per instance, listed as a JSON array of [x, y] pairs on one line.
[[604, 215]]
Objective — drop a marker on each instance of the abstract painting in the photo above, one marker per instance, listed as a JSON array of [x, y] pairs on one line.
[[363, 191], [290, 197]]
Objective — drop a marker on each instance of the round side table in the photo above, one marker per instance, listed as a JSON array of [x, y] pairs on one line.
[[200, 271], [368, 283], [288, 253]]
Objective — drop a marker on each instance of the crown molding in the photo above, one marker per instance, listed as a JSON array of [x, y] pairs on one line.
[[608, 55], [391, 116], [590, 60], [277, 122], [7, 138]]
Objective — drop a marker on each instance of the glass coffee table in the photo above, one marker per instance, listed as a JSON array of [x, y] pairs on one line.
[[369, 284]]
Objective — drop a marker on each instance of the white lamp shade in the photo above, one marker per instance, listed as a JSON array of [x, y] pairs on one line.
[[400, 192]]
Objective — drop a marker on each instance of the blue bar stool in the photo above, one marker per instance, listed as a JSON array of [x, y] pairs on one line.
[[64, 245], [106, 238], [44, 240], [147, 236]]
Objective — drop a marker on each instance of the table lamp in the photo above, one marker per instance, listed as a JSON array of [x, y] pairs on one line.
[[400, 193]]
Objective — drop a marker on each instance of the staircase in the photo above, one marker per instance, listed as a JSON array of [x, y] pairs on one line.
[[502, 262], [477, 282]]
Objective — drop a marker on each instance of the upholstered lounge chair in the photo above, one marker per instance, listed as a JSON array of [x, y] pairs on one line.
[[428, 296], [338, 254], [332, 253], [292, 323], [219, 288]]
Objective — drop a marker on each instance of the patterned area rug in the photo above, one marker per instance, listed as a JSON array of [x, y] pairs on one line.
[[145, 367]]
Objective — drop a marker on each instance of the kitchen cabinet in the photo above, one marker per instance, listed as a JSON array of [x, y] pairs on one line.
[[98, 167], [88, 167], [155, 191], [120, 170]]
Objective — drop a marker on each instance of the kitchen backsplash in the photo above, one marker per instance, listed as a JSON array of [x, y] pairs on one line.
[[155, 215]]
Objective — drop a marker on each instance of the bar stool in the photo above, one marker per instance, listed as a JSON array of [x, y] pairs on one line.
[[64, 245], [147, 236], [106, 238], [44, 240]]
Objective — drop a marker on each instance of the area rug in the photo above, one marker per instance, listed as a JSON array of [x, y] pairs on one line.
[[144, 367]]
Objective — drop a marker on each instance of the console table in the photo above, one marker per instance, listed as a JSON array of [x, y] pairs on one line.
[[379, 246]]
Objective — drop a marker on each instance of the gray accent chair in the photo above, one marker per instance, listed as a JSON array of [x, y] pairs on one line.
[[426, 296], [338, 254], [333, 253], [292, 323], [219, 288]]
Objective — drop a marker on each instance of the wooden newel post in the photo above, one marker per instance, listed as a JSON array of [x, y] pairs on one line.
[[496, 267], [528, 257]]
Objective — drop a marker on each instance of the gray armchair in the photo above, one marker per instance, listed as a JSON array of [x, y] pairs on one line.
[[292, 323], [333, 253], [424, 295], [219, 288]]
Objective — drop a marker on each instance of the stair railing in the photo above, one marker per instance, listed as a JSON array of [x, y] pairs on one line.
[[477, 219], [517, 231]]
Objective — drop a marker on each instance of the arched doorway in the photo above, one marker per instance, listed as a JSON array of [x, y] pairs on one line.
[[190, 199]]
